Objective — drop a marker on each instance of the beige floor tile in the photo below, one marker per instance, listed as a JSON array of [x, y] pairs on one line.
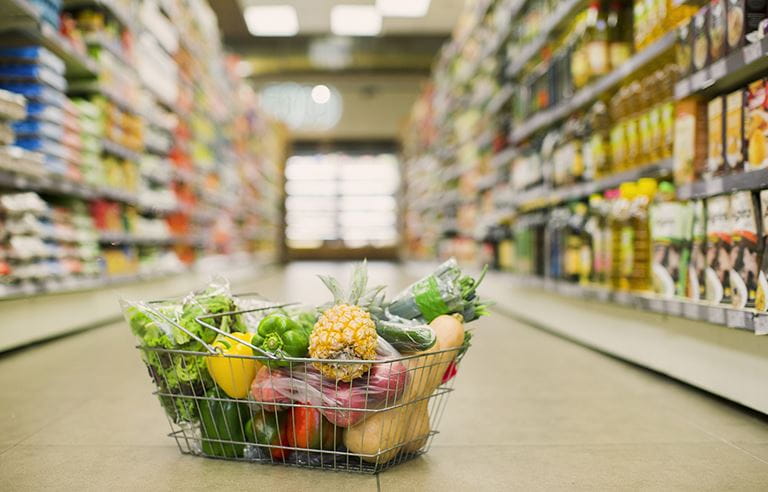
[[702, 466], [23, 416], [156, 468]]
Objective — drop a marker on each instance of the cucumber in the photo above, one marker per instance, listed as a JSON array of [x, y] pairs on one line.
[[406, 337]]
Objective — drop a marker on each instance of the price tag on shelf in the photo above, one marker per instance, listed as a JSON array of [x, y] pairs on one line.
[[761, 324], [682, 88], [699, 79], [603, 294], [713, 187], [716, 315], [656, 305], [674, 307], [718, 69], [752, 52], [691, 310], [735, 319]]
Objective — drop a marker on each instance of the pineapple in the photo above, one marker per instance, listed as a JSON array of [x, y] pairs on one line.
[[346, 330]]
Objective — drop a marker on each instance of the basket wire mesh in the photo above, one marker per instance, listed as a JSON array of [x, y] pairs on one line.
[[367, 426]]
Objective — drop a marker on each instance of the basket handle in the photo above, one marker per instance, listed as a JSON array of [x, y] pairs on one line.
[[200, 319]]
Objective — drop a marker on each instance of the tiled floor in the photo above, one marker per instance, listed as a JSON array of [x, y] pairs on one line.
[[530, 412]]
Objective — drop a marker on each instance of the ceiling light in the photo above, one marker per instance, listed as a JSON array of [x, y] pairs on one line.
[[321, 94], [355, 20], [271, 20], [402, 8]]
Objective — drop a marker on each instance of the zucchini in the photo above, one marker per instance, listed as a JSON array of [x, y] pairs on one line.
[[406, 337]]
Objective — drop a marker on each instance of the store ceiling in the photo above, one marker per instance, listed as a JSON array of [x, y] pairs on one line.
[[404, 45]]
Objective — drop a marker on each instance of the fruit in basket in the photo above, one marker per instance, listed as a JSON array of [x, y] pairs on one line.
[[384, 434], [232, 374], [270, 429], [264, 389], [307, 429], [346, 331], [221, 421], [282, 336]]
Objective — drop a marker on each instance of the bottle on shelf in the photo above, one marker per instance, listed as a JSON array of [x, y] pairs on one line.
[[640, 274]]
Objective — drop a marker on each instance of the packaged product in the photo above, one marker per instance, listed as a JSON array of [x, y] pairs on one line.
[[700, 39], [684, 47], [734, 131], [761, 297], [690, 140], [745, 252], [719, 242], [717, 26], [715, 156], [744, 18], [756, 126], [696, 288], [670, 239]]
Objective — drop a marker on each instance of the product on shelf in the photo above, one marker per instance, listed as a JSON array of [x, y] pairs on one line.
[[756, 126], [745, 252], [697, 268], [719, 244]]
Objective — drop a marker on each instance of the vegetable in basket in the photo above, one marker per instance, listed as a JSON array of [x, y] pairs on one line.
[[232, 374], [406, 335], [280, 335], [222, 420], [307, 429], [381, 436], [346, 331], [445, 291], [345, 402], [172, 325], [270, 429]]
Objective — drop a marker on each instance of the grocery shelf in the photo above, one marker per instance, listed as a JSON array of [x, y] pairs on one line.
[[519, 60], [116, 12], [504, 158], [116, 149], [589, 93], [729, 362], [731, 72], [742, 319], [544, 196], [19, 16], [750, 180], [58, 185]]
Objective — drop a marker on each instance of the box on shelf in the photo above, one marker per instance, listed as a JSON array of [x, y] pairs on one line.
[[690, 140], [734, 131], [715, 129], [745, 253], [719, 244], [756, 126]]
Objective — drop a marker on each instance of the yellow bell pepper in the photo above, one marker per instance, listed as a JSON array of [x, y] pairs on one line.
[[232, 374]]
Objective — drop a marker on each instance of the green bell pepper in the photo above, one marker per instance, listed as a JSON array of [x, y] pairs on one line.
[[269, 429], [280, 335], [222, 421]]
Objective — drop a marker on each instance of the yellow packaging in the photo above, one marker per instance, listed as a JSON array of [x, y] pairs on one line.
[[716, 129], [734, 131], [756, 126]]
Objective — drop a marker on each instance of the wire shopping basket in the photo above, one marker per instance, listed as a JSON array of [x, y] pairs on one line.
[[283, 411]]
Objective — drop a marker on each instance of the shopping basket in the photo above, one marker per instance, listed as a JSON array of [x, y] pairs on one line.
[[293, 415]]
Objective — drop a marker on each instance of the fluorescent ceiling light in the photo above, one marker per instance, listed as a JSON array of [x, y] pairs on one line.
[[355, 20], [402, 8], [321, 94], [271, 20]]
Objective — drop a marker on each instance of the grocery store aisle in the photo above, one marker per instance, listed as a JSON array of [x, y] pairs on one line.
[[530, 411]]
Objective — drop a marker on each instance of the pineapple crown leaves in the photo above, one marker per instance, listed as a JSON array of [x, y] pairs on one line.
[[359, 294]]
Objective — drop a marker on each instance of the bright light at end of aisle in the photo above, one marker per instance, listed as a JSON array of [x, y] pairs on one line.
[[402, 8], [272, 20], [321, 94], [355, 20]]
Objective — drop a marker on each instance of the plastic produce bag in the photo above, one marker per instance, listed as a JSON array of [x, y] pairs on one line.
[[445, 291], [346, 403]]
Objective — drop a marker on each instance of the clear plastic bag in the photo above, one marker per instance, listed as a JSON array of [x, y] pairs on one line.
[[346, 403]]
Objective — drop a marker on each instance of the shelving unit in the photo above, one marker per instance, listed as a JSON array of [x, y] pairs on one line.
[[210, 214]]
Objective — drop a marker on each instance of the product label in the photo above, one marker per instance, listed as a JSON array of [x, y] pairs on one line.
[[756, 126], [696, 288], [627, 250], [745, 251], [715, 160], [734, 121], [718, 287]]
